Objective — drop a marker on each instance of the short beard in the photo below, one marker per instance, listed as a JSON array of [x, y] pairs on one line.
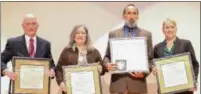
[[131, 24]]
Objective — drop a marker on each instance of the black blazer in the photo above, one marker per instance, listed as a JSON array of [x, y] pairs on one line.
[[17, 47], [181, 46]]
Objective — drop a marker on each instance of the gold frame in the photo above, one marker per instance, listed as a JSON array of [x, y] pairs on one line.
[[17, 62], [67, 70], [189, 71]]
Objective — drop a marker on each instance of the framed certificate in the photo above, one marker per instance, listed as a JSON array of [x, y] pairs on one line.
[[31, 77], [175, 73], [82, 79], [129, 54]]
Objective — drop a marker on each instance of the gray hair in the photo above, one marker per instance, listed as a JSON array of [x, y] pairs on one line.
[[72, 37], [125, 8]]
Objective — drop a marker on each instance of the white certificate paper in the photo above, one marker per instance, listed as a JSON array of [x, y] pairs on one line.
[[82, 83], [134, 51], [31, 77], [174, 74]]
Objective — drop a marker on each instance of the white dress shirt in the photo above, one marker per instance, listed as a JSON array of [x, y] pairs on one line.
[[27, 38]]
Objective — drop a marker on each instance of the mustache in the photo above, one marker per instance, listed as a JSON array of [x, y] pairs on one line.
[[132, 21]]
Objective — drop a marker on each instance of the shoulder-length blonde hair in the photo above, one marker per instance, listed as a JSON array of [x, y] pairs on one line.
[[88, 43]]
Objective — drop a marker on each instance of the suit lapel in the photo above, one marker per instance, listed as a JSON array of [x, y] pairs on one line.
[[39, 45], [120, 33], [23, 47], [138, 33], [161, 50], [88, 56], [75, 56], [177, 46], [175, 50]]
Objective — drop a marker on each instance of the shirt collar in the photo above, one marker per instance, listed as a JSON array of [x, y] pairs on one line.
[[165, 42], [125, 26], [27, 38]]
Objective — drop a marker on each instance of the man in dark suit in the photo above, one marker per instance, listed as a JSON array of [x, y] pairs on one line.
[[27, 45], [129, 83], [173, 45]]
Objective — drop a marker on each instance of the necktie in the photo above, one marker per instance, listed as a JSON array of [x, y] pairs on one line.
[[130, 32], [31, 47]]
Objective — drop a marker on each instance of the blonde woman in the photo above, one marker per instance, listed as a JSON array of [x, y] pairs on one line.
[[174, 45]]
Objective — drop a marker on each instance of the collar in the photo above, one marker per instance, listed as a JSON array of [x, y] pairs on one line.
[[165, 41], [126, 27], [27, 38]]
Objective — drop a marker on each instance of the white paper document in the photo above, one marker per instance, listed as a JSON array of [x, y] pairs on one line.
[[31, 77], [82, 82], [174, 74], [133, 51]]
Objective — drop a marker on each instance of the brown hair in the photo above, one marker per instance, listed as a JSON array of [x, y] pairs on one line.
[[73, 33]]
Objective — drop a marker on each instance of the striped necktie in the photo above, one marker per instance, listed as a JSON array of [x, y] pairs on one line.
[[130, 32]]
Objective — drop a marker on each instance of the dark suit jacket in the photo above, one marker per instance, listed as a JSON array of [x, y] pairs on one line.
[[121, 82], [70, 57], [181, 46], [17, 47]]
